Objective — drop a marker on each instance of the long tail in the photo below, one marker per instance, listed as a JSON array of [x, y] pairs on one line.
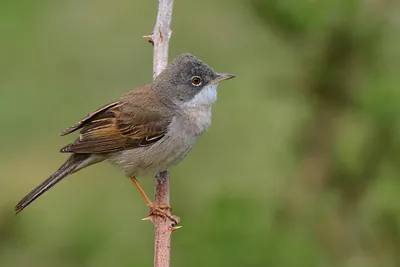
[[73, 164]]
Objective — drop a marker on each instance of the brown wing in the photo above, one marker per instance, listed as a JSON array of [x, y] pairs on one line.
[[118, 126], [87, 118]]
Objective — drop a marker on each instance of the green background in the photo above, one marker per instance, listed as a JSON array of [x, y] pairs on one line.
[[301, 164]]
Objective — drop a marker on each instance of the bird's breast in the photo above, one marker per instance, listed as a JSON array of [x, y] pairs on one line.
[[194, 122], [184, 132]]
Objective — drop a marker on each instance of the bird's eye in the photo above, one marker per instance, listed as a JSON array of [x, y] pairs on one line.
[[196, 80]]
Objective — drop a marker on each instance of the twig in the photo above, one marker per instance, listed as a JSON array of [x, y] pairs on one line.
[[163, 227], [161, 35]]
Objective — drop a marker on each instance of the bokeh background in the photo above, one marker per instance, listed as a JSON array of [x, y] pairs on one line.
[[300, 167]]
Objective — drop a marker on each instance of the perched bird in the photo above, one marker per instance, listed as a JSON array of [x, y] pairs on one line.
[[148, 130]]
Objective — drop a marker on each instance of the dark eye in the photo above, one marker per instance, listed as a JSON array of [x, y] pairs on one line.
[[196, 80]]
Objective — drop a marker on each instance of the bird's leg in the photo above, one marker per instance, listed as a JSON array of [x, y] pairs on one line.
[[155, 209]]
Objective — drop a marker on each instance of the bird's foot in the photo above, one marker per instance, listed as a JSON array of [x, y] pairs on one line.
[[162, 211]]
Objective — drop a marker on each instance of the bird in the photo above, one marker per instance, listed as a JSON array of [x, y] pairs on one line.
[[146, 131]]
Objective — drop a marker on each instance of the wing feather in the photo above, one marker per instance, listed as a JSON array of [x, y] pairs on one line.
[[88, 117], [118, 126]]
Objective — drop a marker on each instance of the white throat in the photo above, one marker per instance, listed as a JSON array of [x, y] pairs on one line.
[[205, 98]]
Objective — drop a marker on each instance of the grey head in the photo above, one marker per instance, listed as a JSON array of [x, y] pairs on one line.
[[189, 81]]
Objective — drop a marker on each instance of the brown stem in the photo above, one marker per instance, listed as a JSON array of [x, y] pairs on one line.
[[163, 226]]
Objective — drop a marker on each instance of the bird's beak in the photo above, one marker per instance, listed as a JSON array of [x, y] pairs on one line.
[[222, 77]]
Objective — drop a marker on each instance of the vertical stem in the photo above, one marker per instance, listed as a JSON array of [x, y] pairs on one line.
[[161, 35], [163, 227]]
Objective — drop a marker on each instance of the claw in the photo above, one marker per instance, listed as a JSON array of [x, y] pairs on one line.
[[163, 211]]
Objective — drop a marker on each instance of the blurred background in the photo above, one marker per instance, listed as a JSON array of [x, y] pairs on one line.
[[300, 167]]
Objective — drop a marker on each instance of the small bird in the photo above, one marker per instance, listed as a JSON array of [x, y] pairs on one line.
[[148, 130]]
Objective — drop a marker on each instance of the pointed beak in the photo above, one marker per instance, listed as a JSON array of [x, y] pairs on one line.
[[223, 77]]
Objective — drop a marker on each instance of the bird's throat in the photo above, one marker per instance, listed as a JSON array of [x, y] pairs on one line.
[[205, 98]]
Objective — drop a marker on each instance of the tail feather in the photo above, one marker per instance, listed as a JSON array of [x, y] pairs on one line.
[[73, 164]]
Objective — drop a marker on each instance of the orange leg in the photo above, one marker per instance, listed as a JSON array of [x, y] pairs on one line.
[[162, 211], [141, 191]]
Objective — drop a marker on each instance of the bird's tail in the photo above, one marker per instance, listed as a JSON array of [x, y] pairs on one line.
[[73, 164]]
